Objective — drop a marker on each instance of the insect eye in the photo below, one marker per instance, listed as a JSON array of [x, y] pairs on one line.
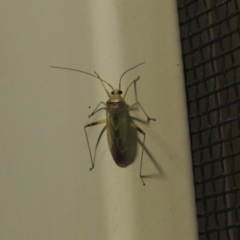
[[112, 92], [119, 92]]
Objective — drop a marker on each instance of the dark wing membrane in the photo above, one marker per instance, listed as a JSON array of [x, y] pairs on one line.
[[117, 135]]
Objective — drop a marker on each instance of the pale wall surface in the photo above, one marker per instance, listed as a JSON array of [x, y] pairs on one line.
[[46, 189]]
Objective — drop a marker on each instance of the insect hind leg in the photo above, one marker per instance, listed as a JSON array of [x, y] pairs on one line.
[[90, 125], [133, 125]]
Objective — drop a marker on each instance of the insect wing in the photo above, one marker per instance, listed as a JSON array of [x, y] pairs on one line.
[[117, 135]]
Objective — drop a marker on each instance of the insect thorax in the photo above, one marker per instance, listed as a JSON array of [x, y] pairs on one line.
[[116, 107]]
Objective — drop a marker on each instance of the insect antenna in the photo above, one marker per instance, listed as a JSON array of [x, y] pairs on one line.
[[128, 71], [90, 74]]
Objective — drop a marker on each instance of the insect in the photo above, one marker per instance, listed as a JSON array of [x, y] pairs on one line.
[[117, 120]]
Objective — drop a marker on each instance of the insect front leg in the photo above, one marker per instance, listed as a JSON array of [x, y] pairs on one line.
[[138, 103], [134, 81], [90, 125], [96, 109], [133, 125]]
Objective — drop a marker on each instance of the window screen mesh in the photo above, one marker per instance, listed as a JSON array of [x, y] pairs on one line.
[[210, 38]]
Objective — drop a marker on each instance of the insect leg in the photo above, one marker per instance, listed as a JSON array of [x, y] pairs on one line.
[[134, 81], [133, 125], [96, 109], [90, 125], [138, 103]]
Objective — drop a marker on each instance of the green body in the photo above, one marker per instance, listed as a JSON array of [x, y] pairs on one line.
[[117, 125]]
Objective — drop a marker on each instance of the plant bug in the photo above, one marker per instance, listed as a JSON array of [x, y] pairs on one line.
[[117, 120]]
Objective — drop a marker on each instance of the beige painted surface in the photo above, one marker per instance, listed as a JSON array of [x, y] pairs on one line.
[[46, 189]]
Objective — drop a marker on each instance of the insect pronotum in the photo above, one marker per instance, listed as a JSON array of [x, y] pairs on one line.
[[117, 120]]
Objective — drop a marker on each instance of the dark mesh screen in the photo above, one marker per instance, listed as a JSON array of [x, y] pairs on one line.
[[210, 38]]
